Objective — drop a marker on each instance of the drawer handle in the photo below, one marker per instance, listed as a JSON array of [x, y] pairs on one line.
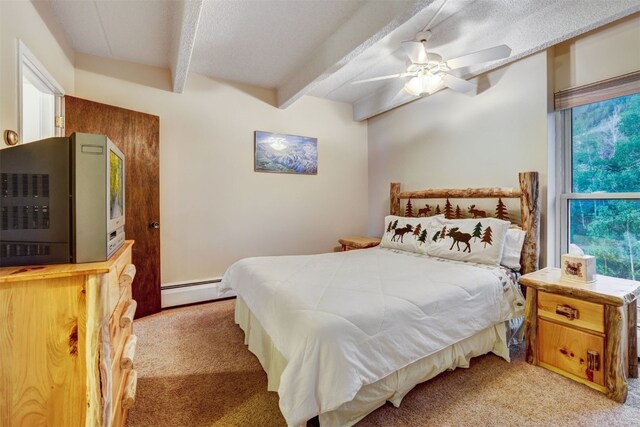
[[593, 360], [127, 316], [126, 361], [129, 395], [567, 311], [126, 278]]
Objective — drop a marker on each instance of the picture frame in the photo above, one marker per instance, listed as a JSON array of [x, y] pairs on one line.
[[283, 153]]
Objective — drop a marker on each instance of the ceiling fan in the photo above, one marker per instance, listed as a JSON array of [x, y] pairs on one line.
[[430, 73]]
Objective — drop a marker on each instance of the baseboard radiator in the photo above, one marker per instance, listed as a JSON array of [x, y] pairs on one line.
[[175, 294]]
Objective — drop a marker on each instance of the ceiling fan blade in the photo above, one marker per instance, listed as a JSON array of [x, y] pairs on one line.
[[485, 55], [416, 52], [375, 79], [458, 84]]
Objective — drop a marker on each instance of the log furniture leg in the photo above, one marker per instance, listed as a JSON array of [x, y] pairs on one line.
[[530, 326], [615, 376], [632, 337]]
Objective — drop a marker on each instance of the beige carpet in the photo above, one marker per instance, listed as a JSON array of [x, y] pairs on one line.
[[194, 370]]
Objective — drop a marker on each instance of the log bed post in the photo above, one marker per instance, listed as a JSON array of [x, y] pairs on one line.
[[530, 210], [395, 198]]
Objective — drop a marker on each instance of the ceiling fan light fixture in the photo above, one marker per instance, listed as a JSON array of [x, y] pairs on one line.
[[414, 86], [422, 84], [430, 73]]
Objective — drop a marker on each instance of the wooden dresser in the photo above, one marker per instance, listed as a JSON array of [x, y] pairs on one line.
[[586, 332], [66, 347]]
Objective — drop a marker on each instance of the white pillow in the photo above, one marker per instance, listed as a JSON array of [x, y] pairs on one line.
[[474, 240], [407, 233], [512, 248]]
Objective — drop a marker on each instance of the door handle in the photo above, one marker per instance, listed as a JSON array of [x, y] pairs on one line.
[[154, 224], [593, 360], [567, 311]]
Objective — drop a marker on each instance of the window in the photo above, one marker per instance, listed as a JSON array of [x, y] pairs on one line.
[[40, 99], [599, 197]]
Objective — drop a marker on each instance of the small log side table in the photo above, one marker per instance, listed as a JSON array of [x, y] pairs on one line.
[[350, 243], [584, 331]]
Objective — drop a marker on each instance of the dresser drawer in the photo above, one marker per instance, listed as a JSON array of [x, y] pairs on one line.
[[118, 377], [571, 311], [121, 333], [120, 276], [121, 367], [118, 372], [120, 329], [126, 399], [119, 415], [120, 324], [567, 349]]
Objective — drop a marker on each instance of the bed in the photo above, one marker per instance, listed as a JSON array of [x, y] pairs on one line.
[[340, 334]]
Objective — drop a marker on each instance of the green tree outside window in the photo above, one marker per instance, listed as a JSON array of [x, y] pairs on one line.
[[605, 154]]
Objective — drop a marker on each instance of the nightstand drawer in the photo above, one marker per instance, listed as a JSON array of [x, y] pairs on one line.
[[567, 349], [571, 311]]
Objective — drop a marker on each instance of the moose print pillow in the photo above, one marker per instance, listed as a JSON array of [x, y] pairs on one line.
[[475, 240], [406, 234]]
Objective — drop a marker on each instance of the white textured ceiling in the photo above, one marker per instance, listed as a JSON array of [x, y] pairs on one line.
[[461, 27], [135, 30], [263, 42], [318, 47]]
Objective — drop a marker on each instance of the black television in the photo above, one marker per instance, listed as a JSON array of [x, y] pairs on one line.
[[62, 200]]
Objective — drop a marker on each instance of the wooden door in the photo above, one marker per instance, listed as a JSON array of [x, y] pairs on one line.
[[137, 135]]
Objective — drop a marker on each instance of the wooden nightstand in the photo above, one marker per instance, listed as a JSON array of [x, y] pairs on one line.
[[586, 332], [350, 243]]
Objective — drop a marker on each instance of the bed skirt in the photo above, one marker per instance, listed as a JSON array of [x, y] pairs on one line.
[[391, 388]]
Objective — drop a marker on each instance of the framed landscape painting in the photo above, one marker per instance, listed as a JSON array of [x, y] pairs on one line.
[[280, 153]]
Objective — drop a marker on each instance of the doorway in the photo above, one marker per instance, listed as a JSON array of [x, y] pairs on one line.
[[137, 135]]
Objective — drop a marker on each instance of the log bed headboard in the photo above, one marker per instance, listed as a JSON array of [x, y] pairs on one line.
[[529, 209]]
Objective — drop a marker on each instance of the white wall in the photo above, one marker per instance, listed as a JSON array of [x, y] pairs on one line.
[[19, 20], [606, 52], [214, 208], [451, 140]]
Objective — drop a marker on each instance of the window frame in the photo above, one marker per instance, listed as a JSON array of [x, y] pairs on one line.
[[564, 174], [26, 59]]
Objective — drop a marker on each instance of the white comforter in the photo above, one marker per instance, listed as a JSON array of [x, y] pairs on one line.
[[343, 320]]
